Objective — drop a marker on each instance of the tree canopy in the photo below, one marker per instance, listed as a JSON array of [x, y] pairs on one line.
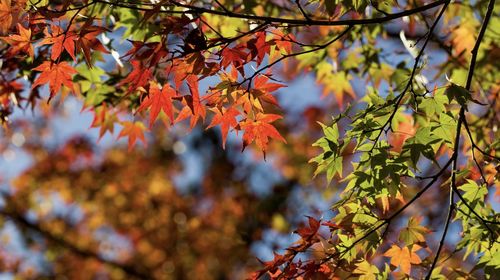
[[403, 143]]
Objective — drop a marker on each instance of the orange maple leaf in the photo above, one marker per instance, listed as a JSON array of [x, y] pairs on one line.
[[133, 130], [462, 38], [262, 92], [227, 119], [193, 107], [159, 101], [405, 129], [5, 16], [21, 42], [403, 257], [260, 130], [283, 41], [105, 119], [56, 74], [261, 83], [138, 77], [60, 40]]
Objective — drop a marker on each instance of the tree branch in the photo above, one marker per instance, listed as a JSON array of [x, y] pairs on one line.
[[443, 237], [336, 38], [399, 99], [201, 10], [453, 186], [302, 11]]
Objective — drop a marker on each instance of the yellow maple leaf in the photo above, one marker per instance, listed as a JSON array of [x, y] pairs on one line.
[[463, 39], [403, 257]]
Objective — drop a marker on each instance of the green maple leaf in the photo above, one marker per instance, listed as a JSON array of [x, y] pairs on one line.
[[413, 232], [445, 129]]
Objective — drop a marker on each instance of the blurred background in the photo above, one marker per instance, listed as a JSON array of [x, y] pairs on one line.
[[177, 208]]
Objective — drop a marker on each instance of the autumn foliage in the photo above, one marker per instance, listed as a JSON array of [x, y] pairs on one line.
[[386, 112]]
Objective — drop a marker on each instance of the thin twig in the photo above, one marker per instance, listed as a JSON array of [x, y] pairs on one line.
[[302, 10], [443, 237], [399, 99]]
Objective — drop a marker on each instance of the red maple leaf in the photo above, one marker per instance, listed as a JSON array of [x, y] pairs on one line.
[[262, 89], [261, 83], [277, 261], [193, 107], [133, 130], [179, 69], [283, 41], [138, 77], [105, 119], [159, 101], [234, 56], [21, 42], [258, 47], [87, 40], [309, 232], [56, 74], [331, 225], [60, 40], [227, 119], [260, 130]]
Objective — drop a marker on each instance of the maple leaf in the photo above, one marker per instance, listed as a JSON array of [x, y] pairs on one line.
[[234, 56], [366, 271], [309, 232], [87, 40], [384, 200], [262, 89], [402, 131], [60, 40], [283, 44], [337, 83], [331, 225], [383, 72], [21, 42], [463, 38], [193, 107], [283, 41], [403, 257], [138, 77], [179, 70], [104, 119], [5, 16], [194, 41], [159, 101], [258, 47], [261, 83], [133, 130], [227, 119], [56, 74], [260, 130], [413, 232], [273, 266]]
